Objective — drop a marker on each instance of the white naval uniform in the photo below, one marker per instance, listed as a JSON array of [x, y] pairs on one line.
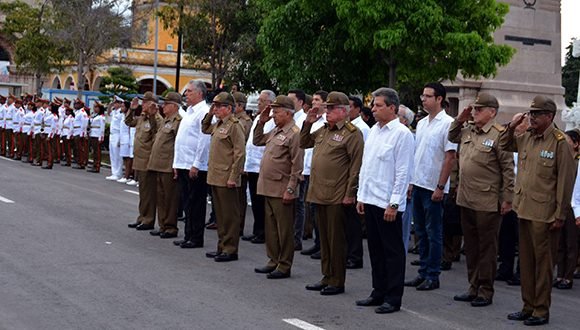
[[115, 143], [125, 139]]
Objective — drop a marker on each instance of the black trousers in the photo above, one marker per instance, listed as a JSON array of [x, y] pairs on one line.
[[508, 240], [258, 205], [387, 254], [195, 205], [354, 235]]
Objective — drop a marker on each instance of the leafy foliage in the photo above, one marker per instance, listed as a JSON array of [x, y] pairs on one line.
[[570, 75], [120, 81]]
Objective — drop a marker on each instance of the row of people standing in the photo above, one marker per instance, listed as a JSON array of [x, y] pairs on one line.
[[35, 130]]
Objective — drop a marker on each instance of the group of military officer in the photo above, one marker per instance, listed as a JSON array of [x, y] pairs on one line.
[[35, 130]]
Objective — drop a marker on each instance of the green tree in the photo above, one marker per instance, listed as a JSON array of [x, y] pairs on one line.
[[210, 31], [120, 81], [570, 75], [358, 45], [28, 29]]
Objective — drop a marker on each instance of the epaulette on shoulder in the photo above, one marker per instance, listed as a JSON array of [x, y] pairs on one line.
[[234, 119], [499, 127], [349, 126], [178, 117], [559, 135], [295, 129]]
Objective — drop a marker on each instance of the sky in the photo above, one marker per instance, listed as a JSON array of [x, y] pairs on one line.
[[570, 23]]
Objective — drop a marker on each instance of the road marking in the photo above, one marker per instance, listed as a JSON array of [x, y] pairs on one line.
[[132, 192], [8, 159], [425, 317], [6, 200], [302, 324]]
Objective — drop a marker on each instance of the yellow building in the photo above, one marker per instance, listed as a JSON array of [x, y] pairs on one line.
[[139, 58]]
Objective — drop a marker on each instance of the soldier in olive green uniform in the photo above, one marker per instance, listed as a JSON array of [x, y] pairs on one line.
[[226, 161], [161, 165], [485, 192], [280, 172], [543, 192], [146, 126], [336, 161], [246, 121]]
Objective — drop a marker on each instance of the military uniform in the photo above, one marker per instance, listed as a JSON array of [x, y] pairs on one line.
[[97, 136], [37, 127], [161, 164], [226, 160], [27, 135], [280, 172], [49, 129], [17, 124], [67, 138], [80, 125], [543, 191], [246, 123], [336, 162], [486, 179], [145, 129], [8, 147], [2, 124]]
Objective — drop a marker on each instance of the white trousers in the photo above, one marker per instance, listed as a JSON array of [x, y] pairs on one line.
[[115, 155]]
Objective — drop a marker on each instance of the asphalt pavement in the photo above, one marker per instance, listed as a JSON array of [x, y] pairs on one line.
[[68, 261]]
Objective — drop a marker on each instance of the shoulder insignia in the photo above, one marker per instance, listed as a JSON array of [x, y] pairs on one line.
[[295, 129], [234, 119], [178, 118], [499, 127], [349, 126], [559, 135]]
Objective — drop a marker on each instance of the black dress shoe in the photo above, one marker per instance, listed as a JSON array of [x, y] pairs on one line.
[[555, 283], [387, 308], [316, 256], [502, 277], [481, 302], [577, 275], [153, 232], [212, 254], [464, 297], [332, 290], [143, 226], [258, 240], [133, 224], [445, 265], [354, 264], [225, 257], [167, 235], [535, 320], [47, 167], [264, 270], [191, 245], [415, 282], [318, 286], [416, 262], [370, 301], [564, 285], [310, 251], [179, 242], [428, 285], [247, 237], [298, 247], [277, 275], [519, 316]]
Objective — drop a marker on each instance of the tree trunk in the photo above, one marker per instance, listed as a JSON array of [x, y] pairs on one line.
[[80, 76], [38, 83]]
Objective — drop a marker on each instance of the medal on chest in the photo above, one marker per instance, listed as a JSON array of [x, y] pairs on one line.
[[281, 137], [167, 125], [147, 125], [547, 154], [488, 143], [223, 130], [337, 137]]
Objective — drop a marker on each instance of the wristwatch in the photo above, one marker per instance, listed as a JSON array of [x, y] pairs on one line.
[[440, 186], [290, 191], [393, 206]]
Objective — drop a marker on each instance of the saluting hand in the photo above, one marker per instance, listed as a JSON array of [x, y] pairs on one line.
[[464, 115], [134, 103], [312, 115], [517, 119], [265, 115]]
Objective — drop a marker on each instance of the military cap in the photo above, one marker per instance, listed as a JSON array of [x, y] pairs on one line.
[[2, 97], [485, 100], [79, 101], [173, 97], [336, 98], [11, 96], [66, 100], [283, 101], [18, 101], [224, 98], [116, 99], [240, 97], [543, 103], [148, 96]]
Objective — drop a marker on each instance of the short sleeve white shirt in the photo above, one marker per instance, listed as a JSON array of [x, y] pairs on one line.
[[431, 145]]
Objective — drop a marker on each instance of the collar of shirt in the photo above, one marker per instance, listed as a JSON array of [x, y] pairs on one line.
[[338, 126], [225, 120], [196, 107], [286, 127], [547, 132], [484, 129], [298, 113]]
